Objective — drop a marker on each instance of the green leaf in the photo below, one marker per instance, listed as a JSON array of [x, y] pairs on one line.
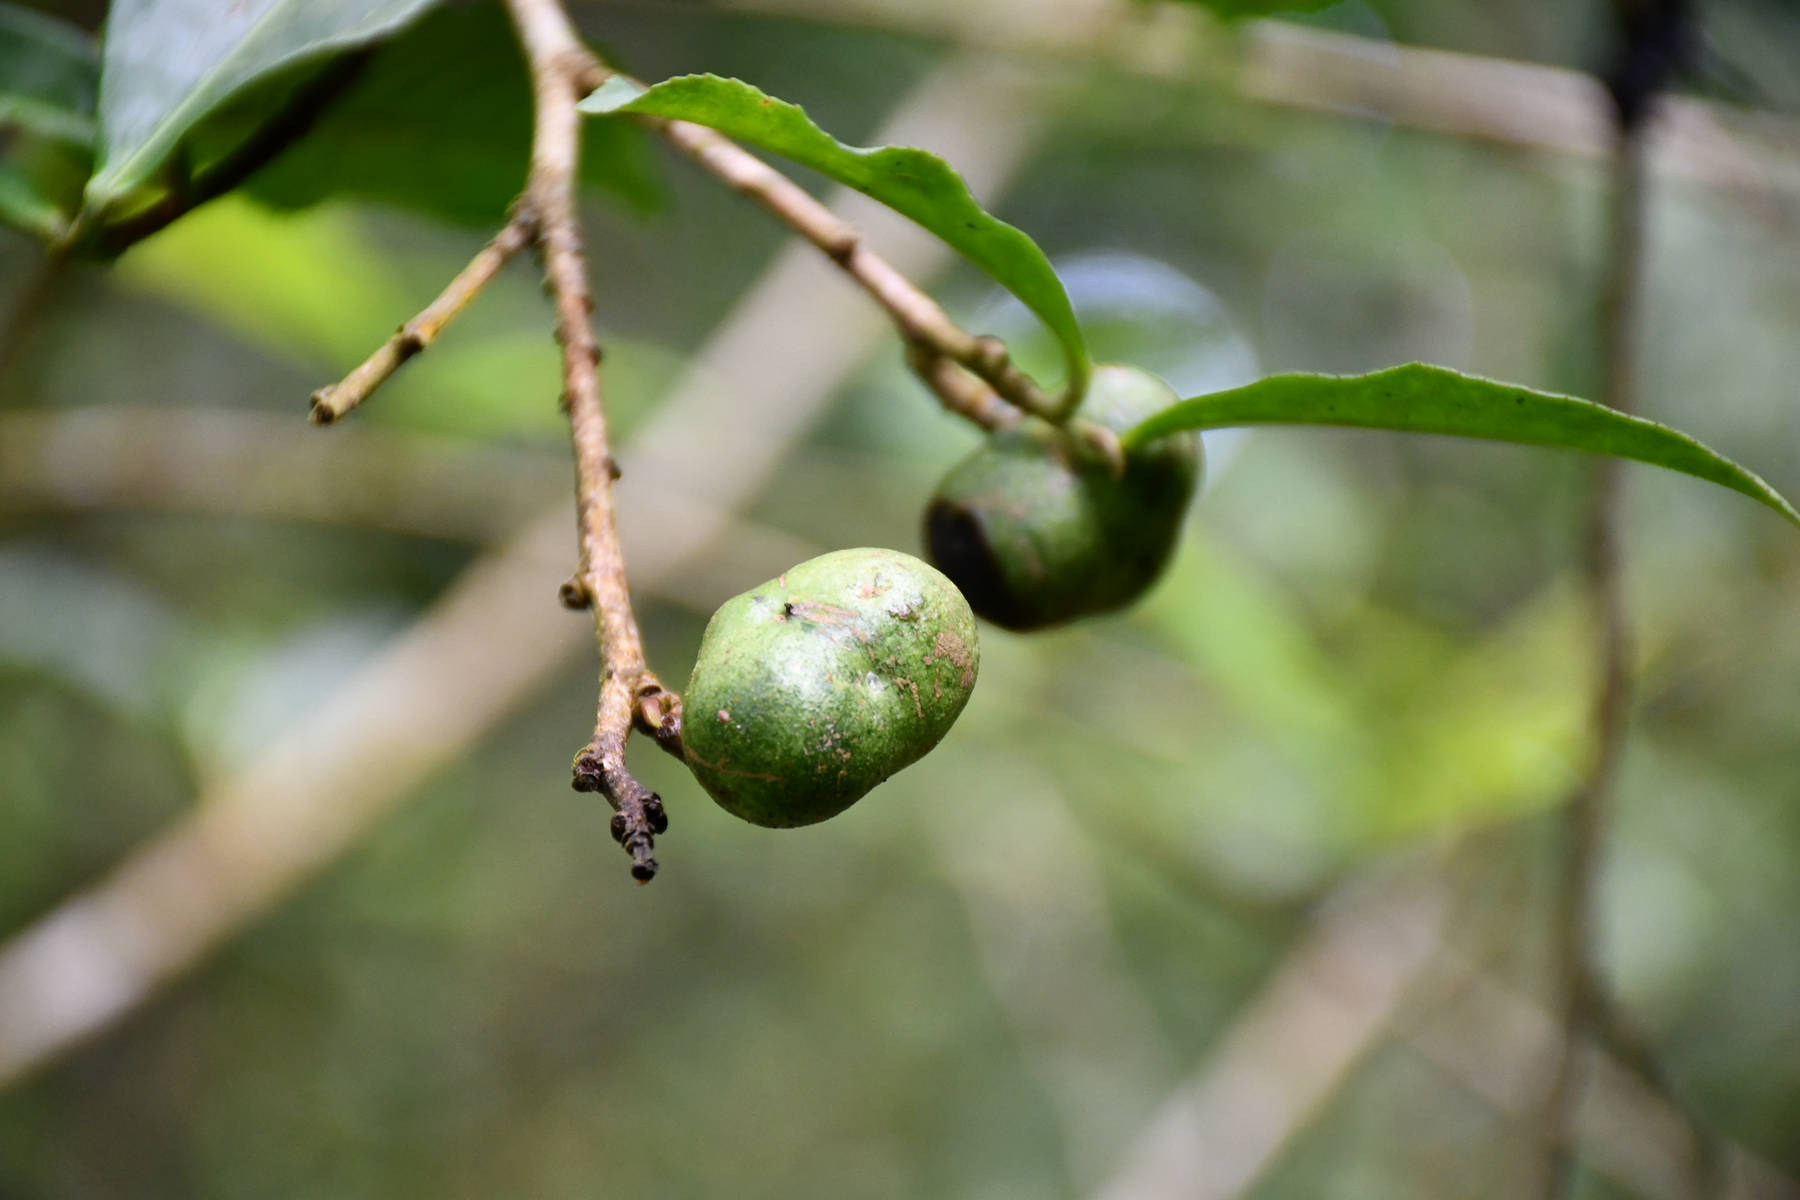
[[168, 64], [49, 77], [1419, 398], [440, 121], [912, 182]]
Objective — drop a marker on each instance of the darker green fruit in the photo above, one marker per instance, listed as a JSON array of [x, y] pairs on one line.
[[814, 687], [1036, 530]]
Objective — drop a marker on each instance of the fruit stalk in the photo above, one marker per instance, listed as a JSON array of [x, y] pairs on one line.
[[1039, 528]]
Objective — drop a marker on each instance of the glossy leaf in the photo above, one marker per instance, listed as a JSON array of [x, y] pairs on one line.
[[49, 77], [914, 183], [168, 64], [1425, 399], [439, 121]]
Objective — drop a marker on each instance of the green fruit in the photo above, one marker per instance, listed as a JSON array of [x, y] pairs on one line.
[[814, 687], [1037, 530]]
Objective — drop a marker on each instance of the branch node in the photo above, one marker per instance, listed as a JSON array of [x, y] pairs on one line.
[[991, 354], [841, 245], [659, 717], [1101, 441], [587, 775], [319, 410], [638, 814], [574, 594], [577, 64], [959, 391]]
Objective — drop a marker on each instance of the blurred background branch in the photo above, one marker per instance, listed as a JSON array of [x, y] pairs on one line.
[[211, 460], [1328, 1003], [1488, 1037], [1654, 41], [1522, 105]]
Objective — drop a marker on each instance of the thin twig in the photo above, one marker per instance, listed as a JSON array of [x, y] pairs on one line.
[[940, 352], [562, 72], [937, 346], [961, 393], [919, 318], [1651, 32], [1584, 817], [330, 403]]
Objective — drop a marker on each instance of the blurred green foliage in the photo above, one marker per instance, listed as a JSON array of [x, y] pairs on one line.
[[984, 978], [49, 74], [1260, 8]]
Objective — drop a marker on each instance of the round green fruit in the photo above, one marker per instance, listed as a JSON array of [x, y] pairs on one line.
[[1037, 530], [817, 685]]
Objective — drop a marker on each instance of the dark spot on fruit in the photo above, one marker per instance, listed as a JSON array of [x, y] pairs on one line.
[[960, 548]]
